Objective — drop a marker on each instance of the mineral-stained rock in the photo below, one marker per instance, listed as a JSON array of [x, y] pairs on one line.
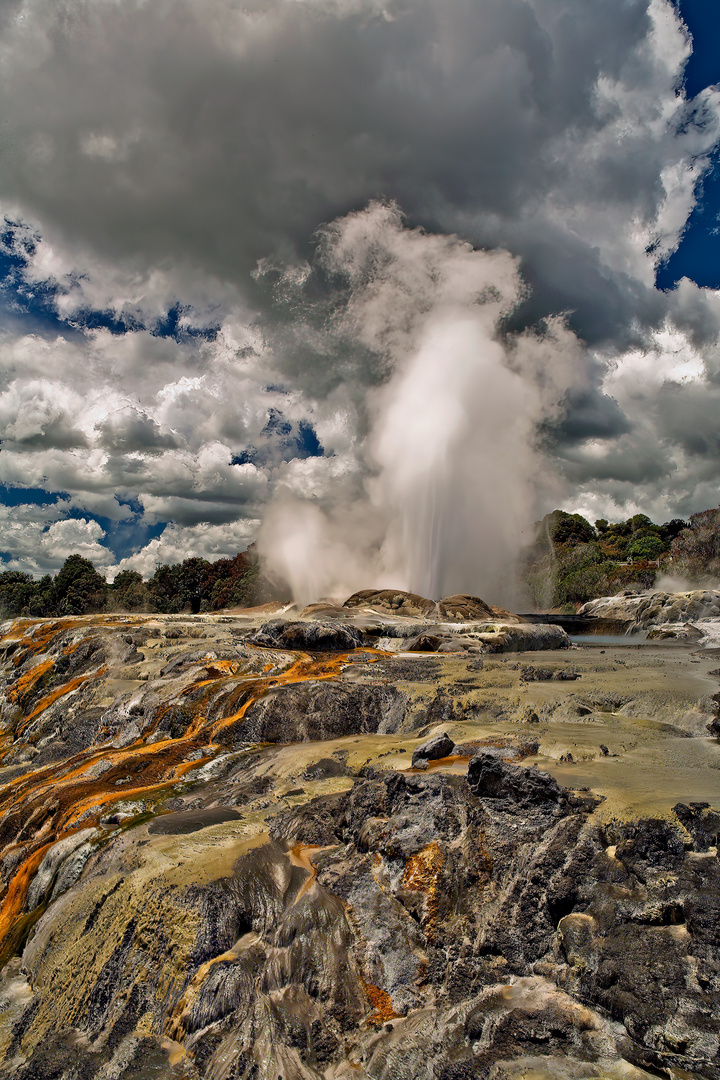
[[53, 863], [313, 636], [332, 914], [439, 746]]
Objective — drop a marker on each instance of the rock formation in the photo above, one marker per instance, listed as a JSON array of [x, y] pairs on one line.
[[241, 851]]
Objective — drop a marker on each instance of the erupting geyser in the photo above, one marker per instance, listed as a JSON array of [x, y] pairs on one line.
[[448, 475]]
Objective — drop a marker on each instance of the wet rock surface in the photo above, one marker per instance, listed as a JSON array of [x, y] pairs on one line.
[[218, 861]]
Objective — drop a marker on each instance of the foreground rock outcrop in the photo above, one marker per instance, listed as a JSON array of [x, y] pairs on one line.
[[228, 853]]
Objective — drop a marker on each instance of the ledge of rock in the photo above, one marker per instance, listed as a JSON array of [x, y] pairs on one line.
[[313, 636]]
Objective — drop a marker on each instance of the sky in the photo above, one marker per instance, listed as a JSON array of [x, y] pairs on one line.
[[374, 283]]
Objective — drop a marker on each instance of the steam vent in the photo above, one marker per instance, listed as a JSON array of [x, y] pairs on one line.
[[387, 839]]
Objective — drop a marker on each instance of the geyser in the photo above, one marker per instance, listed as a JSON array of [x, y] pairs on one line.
[[449, 472]]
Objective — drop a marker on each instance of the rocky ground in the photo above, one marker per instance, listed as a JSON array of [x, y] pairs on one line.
[[377, 840]]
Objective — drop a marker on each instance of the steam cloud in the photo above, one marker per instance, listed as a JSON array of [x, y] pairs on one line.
[[453, 472]]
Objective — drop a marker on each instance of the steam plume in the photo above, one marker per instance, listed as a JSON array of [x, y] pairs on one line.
[[450, 467]]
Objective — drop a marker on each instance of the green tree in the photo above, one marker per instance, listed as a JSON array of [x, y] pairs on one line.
[[16, 592], [128, 592], [42, 600], [78, 587], [646, 547], [569, 528], [696, 551], [179, 587]]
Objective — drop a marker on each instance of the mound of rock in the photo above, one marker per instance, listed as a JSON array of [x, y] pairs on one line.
[[462, 608], [392, 602], [643, 610], [489, 777]]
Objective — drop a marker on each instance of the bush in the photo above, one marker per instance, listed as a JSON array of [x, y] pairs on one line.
[[646, 547]]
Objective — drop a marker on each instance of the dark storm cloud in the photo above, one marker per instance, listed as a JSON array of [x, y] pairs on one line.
[[590, 414], [129, 431], [211, 135], [688, 416]]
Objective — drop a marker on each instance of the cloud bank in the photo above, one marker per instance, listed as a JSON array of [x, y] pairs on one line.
[[217, 314]]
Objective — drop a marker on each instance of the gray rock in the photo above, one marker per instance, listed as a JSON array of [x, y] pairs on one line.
[[51, 864], [313, 711], [71, 870]]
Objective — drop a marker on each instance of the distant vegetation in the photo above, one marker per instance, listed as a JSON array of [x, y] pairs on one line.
[[572, 561], [190, 586]]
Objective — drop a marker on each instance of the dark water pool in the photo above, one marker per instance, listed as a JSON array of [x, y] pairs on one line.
[[628, 640]]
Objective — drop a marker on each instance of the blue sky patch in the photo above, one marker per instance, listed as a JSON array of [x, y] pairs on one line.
[[281, 440], [698, 254]]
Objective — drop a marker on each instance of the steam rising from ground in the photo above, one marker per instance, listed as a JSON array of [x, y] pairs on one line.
[[452, 473]]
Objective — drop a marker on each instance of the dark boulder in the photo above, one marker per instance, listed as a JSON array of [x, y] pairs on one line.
[[702, 821], [646, 845], [439, 746], [313, 711]]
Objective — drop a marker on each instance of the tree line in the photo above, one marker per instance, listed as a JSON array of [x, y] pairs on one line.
[[572, 561], [192, 585]]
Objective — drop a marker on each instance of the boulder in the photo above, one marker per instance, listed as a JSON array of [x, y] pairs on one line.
[[439, 746]]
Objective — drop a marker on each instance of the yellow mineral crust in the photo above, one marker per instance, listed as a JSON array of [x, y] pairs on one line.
[[142, 913], [422, 874]]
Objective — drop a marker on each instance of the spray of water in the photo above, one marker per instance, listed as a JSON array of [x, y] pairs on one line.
[[452, 476]]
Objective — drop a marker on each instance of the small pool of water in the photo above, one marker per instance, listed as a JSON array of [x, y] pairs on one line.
[[613, 639]]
